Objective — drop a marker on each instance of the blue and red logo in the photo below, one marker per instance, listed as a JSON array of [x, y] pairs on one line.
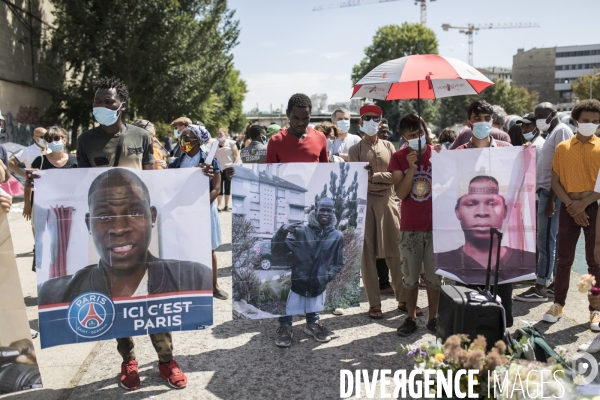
[[91, 314]]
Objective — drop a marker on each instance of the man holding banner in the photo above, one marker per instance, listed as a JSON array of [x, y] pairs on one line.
[[101, 147]]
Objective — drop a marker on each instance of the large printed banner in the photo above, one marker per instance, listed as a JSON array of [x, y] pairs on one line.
[[297, 237], [121, 252], [475, 190], [18, 364]]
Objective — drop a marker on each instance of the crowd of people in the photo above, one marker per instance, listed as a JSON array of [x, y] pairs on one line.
[[398, 234]]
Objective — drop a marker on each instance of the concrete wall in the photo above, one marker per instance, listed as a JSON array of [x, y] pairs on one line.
[[23, 91], [534, 69], [22, 108]]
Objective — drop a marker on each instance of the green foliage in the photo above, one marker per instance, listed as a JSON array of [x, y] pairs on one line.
[[173, 55], [391, 42], [345, 200], [581, 87], [514, 100], [162, 128]]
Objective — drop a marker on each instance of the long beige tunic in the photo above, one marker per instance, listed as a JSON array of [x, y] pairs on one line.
[[382, 221]]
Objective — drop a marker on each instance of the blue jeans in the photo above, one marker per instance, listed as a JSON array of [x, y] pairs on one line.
[[311, 318], [547, 231]]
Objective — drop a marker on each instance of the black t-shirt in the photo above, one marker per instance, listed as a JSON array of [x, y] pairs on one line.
[[45, 164], [96, 148]]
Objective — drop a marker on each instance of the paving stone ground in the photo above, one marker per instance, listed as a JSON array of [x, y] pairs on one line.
[[237, 358]]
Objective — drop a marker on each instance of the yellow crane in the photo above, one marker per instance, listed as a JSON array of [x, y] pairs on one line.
[[353, 3], [472, 28]]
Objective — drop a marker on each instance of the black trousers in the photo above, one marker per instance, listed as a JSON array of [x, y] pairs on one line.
[[383, 273]]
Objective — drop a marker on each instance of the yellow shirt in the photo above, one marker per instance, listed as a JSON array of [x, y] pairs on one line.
[[158, 155], [577, 164]]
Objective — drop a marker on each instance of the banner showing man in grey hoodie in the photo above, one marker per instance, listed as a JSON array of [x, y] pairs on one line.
[[317, 256]]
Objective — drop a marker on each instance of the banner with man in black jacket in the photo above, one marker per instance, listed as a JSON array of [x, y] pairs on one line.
[[297, 238]]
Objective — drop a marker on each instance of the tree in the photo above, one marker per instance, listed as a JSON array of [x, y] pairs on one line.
[[391, 42], [514, 100], [344, 199], [223, 109], [172, 55], [581, 87]]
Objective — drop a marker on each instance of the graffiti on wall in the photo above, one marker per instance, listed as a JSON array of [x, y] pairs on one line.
[[19, 129]]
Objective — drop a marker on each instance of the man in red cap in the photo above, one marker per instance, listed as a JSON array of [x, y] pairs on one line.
[[382, 219]]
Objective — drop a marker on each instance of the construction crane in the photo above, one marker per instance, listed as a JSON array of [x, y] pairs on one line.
[[471, 28], [353, 3]]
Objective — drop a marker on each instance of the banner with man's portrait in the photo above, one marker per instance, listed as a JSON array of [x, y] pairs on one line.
[[18, 363], [297, 237], [121, 252], [475, 190]]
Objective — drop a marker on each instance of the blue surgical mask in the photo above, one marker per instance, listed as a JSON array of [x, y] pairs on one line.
[[481, 130], [344, 125], [106, 116], [176, 133], [56, 147], [370, 128], [528, 136], [414, 143]]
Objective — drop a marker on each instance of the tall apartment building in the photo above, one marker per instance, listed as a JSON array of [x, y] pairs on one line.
[[551, 71], [534, 70]]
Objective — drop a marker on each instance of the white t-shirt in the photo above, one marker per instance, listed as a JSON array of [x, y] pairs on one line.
[[28, 154], [225, 154], [142, 289], [343, 146], [561, 133]]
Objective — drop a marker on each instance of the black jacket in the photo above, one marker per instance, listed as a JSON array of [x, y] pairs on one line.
[[317, 255], [164, 276]]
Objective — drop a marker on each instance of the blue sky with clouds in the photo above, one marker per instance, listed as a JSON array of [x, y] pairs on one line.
[[286, 48]]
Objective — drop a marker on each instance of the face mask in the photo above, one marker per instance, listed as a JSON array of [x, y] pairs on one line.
[[344, 125], [55, 147], [587, 129], [414, 143], [528, 136], [542, 125], [370, 128], [41, 142], [186, 147], [106, 116], [176, 133], [481, 130], [221, 139]]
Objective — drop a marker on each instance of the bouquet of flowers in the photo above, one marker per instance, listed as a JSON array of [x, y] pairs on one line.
[[517, 378], [587, 285]]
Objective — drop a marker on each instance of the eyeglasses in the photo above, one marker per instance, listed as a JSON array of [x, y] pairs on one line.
[[56, 138], [370, 117]]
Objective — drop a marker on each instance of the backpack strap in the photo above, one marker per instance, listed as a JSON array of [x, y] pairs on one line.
[[119, 149]]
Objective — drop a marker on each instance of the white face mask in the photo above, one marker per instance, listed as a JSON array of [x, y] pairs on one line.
[[344, 125], [370, 127], [542, 125], [587, 129], [176, 133]]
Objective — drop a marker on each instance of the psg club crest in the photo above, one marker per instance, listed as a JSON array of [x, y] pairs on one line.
[[91, 314]]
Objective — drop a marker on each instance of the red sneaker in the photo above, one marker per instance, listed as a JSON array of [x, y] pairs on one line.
[[130, 379], [171, 372]]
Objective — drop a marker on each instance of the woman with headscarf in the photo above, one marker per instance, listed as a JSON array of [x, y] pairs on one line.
[[192, 137]]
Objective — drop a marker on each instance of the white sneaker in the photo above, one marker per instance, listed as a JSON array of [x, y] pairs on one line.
[[554, 313], [591, 347], [595, 321]]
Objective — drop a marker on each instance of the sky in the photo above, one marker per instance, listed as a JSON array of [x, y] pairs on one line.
[[285, 47]]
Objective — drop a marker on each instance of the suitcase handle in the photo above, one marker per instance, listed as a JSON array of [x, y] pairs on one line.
[[497, 232]]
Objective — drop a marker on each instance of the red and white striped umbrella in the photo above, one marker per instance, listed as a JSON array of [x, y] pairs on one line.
[[421, 76]]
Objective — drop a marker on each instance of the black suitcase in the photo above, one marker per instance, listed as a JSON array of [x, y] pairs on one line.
[[473, 312]]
